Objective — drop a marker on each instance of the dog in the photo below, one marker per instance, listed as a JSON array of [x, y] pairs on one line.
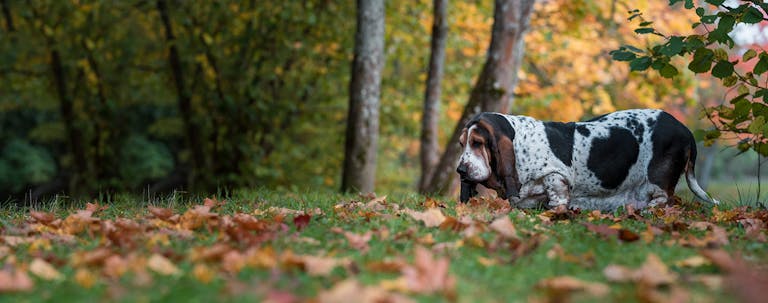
[[631, 157]]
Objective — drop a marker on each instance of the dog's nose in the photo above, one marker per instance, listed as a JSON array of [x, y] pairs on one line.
[[462, 169]]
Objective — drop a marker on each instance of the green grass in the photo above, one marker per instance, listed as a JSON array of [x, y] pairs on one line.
[[503, 282]]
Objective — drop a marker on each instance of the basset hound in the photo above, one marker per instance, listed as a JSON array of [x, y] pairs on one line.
[[627, 157]]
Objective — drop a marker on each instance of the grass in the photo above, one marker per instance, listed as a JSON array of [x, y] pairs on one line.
[[477, 281]]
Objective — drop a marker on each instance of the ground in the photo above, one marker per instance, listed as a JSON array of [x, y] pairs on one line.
[[326, 247]]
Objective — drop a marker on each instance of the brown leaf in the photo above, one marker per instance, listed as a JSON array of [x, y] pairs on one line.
[[357, 241], [603, 230], [385, 266], [91, 257], [233, 261], [748, 284], [95, 207], [560, 212], [196, 217], [351, 290], [115, 266], [161, 265], [431, 203], [15, 280], [652, 273], [209, 253], [42, 217], [301, 221], [560, 288], [44, 270], [504, 227], [627, 235], [428, 274], [78, 222], [754, 229], [160, 213], [431, 217]]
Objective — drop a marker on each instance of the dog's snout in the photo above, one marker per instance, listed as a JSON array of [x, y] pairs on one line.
[[462, 169]]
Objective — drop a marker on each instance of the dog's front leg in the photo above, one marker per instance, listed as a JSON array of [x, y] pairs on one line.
[[557, 189], [468, 190]]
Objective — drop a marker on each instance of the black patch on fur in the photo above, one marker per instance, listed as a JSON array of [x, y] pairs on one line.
[[583, 130], [501, 125], [672, 143], [560, 137], [598, 118], [611, 158]]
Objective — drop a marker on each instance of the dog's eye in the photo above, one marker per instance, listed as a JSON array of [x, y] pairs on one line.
[[477, 144]]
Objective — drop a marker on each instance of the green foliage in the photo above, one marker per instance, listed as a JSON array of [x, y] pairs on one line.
[[144, 160], [745, 116], [22, 164]]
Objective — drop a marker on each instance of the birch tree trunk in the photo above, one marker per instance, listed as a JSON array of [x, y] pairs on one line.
[[364, 90], [494, 88], [429, 146]]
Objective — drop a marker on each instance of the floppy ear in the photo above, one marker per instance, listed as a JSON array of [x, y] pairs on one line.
[[506, 168], [468, 190], [503, 153]]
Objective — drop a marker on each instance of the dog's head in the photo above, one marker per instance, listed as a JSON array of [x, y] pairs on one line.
[[488, 156]]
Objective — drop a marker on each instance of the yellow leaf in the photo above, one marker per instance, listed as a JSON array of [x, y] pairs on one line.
[[85, 278], [203, 273]]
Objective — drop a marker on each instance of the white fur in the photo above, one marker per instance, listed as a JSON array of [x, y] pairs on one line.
[[476, 166]]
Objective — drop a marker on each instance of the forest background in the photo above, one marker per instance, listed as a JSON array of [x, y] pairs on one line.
[[130, 96]]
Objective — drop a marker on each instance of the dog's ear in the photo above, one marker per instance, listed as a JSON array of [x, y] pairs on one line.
[[463, 137], [506, 167], [503, 152], [468, 190]]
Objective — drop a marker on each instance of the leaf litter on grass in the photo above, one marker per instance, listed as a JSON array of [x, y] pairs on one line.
[[207, 244]]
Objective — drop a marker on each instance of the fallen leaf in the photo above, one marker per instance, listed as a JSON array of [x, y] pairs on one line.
[[233, 261], [559, 289], [748, 284], [203, 273], [115, 266], [320, 266], [160, 213], [42, 217], [652, 273], [431, 217], [44, 270], [754, 229], [15, 280], [428, 274], [504, 227], [85, 278], [301, 221], [162, 265], [351, 290], [627, 235], [694, 261]]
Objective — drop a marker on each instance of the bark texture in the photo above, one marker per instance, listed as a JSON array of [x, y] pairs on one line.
[[192, 132], [494, 88], [429, 146], [362, 131]]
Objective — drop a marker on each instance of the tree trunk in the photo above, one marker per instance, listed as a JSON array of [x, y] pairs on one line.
[[495, 85], [75, 137], [184, 99], [363, 117], [7, 14], [428, 152]]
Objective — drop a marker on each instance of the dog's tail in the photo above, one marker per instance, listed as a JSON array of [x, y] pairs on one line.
[[690, 177]]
